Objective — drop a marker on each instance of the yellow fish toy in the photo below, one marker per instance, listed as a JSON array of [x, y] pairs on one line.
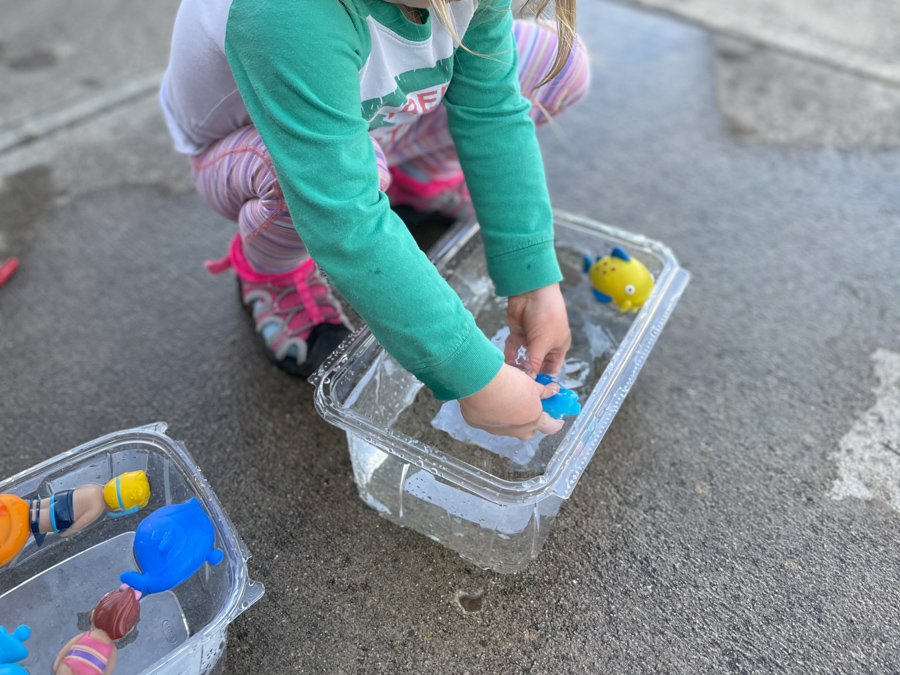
[[620, 279]]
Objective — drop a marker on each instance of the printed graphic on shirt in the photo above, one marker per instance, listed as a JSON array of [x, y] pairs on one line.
[[392, 55], [417, 92], [391, 121], [404, 79], [417, 103]]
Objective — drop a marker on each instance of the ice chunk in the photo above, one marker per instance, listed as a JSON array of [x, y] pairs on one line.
[[450, 419]]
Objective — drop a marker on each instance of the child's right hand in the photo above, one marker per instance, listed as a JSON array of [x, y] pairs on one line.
[[510, 405]]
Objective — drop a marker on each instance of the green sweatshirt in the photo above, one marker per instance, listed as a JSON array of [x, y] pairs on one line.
[[317, 77]]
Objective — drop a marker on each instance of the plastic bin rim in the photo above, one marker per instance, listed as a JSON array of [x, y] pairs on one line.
[[555, 481]]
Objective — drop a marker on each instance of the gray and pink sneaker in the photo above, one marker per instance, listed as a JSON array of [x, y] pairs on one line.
[[296, 314]]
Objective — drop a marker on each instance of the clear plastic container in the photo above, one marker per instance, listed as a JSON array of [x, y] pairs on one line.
[[494, 507], [54, 588]]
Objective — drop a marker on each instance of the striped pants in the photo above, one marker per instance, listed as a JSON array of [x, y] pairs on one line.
[[236, 177]]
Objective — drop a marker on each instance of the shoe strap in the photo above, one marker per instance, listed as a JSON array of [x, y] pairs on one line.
[[299, 278], [236, 259], [218, 266]]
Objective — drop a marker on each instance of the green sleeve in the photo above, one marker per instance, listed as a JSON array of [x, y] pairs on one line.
[[496, 143], [297, 67]]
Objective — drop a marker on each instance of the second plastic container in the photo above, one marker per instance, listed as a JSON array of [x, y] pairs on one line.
[[53, 588], [494, 506]]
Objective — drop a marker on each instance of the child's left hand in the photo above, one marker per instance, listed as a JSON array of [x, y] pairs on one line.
[[538, 321]]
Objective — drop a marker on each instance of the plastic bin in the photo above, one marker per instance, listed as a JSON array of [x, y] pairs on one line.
[[54, 588], [495, 509]]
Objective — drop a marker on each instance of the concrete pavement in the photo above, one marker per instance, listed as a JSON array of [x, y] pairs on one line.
[[738, 516], [861, 37], [63, 64]]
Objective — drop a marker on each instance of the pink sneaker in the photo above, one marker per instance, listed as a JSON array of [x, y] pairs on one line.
[[449, 196], [296, 315]]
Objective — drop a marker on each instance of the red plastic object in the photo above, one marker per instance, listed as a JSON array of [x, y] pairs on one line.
[[7, 269]]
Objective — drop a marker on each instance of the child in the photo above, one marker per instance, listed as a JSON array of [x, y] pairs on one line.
[[303, 118]]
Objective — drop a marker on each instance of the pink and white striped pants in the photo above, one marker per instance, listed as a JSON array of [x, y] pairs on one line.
[[236, 177]]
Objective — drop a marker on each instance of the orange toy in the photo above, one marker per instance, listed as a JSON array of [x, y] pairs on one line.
[[13, 527]]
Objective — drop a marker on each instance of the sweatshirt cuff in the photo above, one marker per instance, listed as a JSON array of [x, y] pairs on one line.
[[525, 270], [469, 369]]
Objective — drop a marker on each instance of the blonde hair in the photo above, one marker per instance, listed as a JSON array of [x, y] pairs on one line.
[[563, 11], [132, 486]]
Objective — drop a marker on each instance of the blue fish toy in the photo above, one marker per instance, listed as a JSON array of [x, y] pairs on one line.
[[170, 545], [563, 403], [12, 650]]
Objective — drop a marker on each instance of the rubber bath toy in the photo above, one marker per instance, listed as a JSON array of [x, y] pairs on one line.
[[70, 511], [563, 403], [12, 650], [170, 545], [95, 652], [13, 527], [620, 279]]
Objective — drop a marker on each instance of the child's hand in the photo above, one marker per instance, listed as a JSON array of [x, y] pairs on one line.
[[510, 405], [538, 321]]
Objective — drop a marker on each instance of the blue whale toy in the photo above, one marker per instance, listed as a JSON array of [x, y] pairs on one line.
[[12, 650], [563, 403], [170, 545]]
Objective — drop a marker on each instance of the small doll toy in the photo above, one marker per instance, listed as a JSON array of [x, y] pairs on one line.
[[13, 527], [12, 650], [70, 511], [95, 652], [170, 545], [620, 279]]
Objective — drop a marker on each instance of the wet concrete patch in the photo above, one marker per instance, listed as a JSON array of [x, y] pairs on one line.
[[36, 60], [27, 199]]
